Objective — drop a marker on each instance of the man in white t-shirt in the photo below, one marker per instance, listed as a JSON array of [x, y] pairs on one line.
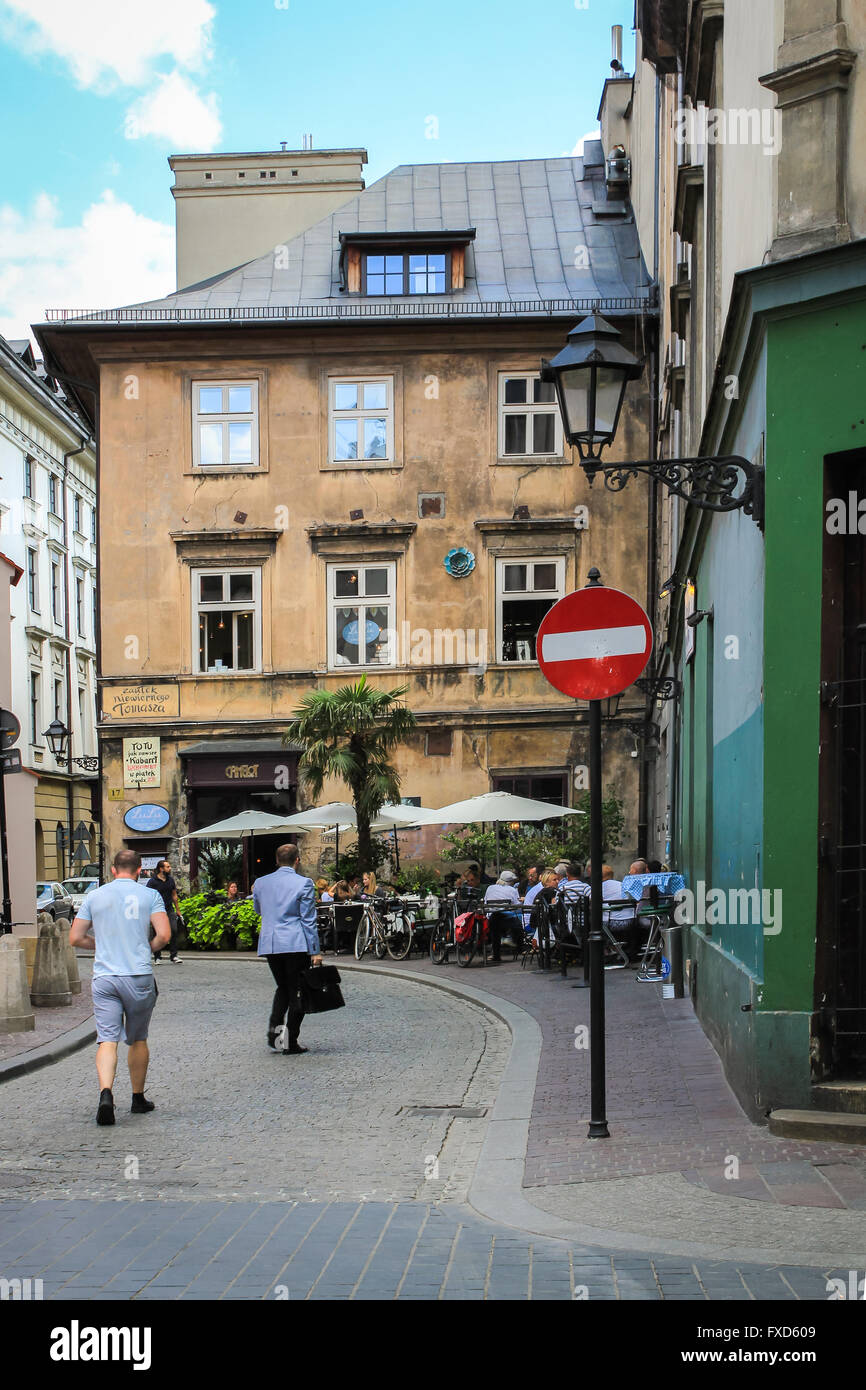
[[114, 922]]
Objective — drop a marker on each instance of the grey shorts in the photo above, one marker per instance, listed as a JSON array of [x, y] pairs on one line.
[[122, 1006]]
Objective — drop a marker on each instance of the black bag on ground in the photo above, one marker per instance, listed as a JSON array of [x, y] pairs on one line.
[[320, 989]]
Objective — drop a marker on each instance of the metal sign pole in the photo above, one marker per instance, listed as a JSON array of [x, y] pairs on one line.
[[598, 1114], [6, 924]]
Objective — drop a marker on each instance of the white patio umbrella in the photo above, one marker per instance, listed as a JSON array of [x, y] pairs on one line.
[[331, 816], [245, 825], [498, 807]]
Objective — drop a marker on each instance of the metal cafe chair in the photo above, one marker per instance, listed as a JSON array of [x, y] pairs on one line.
[[656, 911]]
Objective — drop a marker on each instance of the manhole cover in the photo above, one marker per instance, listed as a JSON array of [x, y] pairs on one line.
[[460, 1112]]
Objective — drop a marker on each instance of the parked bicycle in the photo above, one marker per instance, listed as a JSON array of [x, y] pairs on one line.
[[385, 928]]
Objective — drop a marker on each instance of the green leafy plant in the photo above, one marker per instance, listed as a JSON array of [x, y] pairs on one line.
[[566, 837], [220, 862], [350, 733], [218, 925], [418, 878]]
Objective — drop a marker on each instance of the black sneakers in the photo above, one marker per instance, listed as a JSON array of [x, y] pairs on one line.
[[105, 1113], [140, 1106]]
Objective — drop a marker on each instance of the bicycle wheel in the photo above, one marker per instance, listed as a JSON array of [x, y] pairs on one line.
[[380, 948], [362, 937], [399, 939], [465, 952], [439, 943]]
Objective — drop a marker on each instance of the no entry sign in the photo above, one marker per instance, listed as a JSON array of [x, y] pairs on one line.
[[594, 643]]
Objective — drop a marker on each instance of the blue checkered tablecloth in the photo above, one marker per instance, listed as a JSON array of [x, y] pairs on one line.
[[667, 883]]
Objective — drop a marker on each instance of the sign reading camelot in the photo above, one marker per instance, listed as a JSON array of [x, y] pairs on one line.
[[140, 702], [141, 762]]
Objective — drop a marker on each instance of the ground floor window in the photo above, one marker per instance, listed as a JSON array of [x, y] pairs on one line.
[[539, 786]]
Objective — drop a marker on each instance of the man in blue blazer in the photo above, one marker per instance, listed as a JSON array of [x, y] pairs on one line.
[[286, 903]]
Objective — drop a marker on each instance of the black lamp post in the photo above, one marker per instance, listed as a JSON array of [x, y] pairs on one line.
[[590, 376]]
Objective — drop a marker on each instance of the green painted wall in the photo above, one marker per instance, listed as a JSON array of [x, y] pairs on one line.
[[816, 405]]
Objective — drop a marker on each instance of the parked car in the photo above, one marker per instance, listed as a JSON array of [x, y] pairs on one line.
[[54, 899], [77, 888]]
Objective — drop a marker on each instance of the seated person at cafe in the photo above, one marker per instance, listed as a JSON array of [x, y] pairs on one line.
[[371, 887], [339, 891], [322, 894], [571, 889], [501, 896], [547, 885], [621, 917], [654, 866], [355, 886], [474, 878]]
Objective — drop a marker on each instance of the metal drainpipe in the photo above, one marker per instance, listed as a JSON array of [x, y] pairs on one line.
[[67, 628], [652, 498]]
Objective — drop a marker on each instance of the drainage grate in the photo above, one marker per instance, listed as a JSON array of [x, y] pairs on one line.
[[460, 1112]]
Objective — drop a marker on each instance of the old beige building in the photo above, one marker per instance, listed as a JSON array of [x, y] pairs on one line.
[[338, 459]]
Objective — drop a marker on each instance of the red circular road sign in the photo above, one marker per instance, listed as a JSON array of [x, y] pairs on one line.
[[594, 643]]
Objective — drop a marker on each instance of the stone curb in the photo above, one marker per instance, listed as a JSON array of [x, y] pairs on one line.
[[496, 1191], [54, 1051]]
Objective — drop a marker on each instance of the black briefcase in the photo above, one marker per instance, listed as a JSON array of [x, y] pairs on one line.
[[320, 989]]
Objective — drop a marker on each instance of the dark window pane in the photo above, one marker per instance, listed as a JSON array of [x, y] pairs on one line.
[[520, 623], [346, 583], [515, 434], [375, 582], [543, 391], [245, 640], [240, 586], [542, 434], [515, 578], [347, 637], [211, 590], [219, 642], [544, 577], [376, 635], [515, 391]]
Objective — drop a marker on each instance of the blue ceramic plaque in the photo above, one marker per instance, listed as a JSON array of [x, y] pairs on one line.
[[146, 818]]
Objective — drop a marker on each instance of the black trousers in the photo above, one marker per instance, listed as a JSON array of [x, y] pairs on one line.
[[286, 969], [504, 924]]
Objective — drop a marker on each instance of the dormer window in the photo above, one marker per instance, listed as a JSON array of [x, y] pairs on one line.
[[412, 273], [380, 264]]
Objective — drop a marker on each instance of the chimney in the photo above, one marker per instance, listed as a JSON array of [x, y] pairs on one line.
[[233, 208], [616, 49]]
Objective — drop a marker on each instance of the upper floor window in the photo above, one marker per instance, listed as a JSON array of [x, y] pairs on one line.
[[76, 513], [361, 608], [54, 495], [33, 579], [79, 606], [228, 619], [28, 475], [56, 598], [405, 273], [526, 589], [361, 419], [225, 424], [529, 420]]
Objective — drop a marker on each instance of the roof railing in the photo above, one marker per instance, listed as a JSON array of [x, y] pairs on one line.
[[400, 309]]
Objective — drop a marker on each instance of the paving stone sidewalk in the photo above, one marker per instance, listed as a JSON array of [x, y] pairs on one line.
[[51, 1024], [669, 1107]]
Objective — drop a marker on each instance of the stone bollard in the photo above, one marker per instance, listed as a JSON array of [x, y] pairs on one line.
[[50, 977], [71, 958], [16, 1015]]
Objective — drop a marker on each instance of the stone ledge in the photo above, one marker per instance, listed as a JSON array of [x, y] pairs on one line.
[[820, 1125]]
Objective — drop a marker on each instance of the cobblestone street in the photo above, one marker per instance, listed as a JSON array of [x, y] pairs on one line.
[[262, 1176]]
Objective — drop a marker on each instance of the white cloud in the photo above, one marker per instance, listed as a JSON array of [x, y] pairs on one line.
[[114, 256], [177, 114], [590, 135], [110, 42]]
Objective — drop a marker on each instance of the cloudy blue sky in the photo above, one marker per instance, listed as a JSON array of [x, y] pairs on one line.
[[95, 94]]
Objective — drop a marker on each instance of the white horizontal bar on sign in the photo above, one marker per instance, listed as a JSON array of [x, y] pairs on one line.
[[594, 644]]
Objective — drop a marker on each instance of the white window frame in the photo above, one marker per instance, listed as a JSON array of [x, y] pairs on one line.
[[56, 591], [361, 414], [503, 597], [374, 601], [225, 418], [253, 605], [529, 409], [33, 574]]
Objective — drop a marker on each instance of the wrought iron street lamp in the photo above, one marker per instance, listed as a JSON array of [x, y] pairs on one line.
[[590, 376], [57, 734]]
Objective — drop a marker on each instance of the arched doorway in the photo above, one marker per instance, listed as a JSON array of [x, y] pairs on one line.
[[40, 851]]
